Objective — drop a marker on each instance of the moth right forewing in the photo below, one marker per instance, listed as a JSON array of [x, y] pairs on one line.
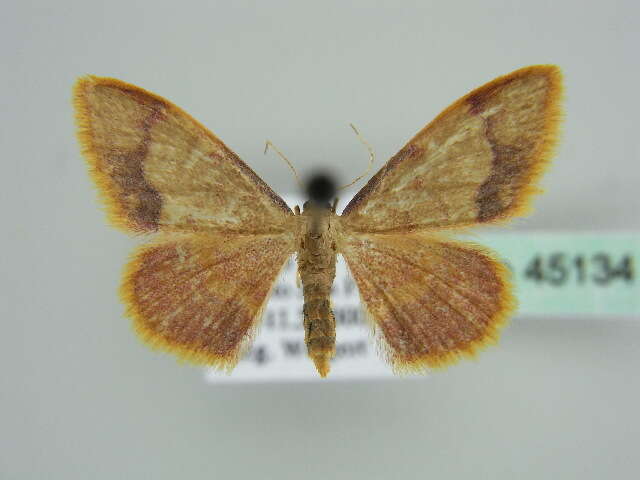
[[478, 162]]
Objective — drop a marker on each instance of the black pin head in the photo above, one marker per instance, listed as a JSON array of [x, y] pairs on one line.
[[320, 188]]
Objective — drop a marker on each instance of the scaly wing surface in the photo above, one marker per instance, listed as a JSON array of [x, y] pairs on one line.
[[157, 169], [431, 300], [478, 162], [201, 297]]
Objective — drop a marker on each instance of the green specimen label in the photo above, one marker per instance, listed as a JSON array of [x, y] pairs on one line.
[[571, 273]]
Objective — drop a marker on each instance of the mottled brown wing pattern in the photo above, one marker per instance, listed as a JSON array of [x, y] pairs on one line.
[[478, 162], [157, 169], [432, 300], [199, 289], [201, 297]]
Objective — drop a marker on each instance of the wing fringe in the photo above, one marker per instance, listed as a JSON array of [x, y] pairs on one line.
[[539, 163], [183, 353], [507, 305], [522, 205], [106, 192]]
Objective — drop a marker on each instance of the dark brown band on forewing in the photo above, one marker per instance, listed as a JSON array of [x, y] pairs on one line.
[[510, 165], [407, 152], [157, 168], [505, 173], [497, 140], [132, 181], [481, 97], [127, 170], [231, 156], [476, 102]]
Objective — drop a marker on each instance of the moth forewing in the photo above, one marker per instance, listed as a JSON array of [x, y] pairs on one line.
[[158, 169], [478, 162]]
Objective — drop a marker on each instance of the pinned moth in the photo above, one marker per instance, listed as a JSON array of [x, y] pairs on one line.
[[222, 235]]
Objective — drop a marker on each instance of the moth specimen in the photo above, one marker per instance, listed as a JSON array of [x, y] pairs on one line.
[[222, 235]]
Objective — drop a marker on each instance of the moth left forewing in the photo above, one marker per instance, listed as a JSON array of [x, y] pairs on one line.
[[432, 300], [158, 169], [201, 297]]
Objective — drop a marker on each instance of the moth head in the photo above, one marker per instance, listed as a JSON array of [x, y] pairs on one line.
[[320, 189]]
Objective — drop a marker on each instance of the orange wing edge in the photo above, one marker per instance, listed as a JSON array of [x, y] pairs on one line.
[[108, 196], [522, 205], [507, 305], [540, 160], [159, 343]]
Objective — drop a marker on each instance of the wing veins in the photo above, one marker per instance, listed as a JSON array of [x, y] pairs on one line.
[[410, 320], [443, 301], [185, 276], [440, 279], [386, 298]]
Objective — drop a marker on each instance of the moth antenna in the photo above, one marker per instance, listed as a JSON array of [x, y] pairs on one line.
[[371, 157], [281, 155]]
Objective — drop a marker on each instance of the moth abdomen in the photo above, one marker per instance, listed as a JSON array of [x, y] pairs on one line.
[[317, 269], [320, 333]]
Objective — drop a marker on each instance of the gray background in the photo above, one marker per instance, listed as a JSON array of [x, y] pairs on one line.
[[82, 398]]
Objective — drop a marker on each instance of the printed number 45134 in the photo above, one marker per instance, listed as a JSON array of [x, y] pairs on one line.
[[559, 268]]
